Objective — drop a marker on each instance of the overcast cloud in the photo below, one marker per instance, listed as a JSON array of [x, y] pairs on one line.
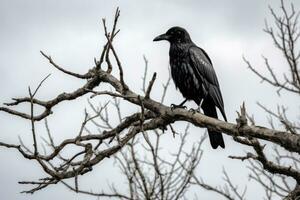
[[71, 32]]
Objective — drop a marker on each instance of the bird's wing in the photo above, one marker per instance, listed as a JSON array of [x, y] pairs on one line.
[[202, 65], [204, 71]]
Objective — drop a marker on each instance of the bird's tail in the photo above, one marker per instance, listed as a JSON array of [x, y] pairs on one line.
[[215, 137]]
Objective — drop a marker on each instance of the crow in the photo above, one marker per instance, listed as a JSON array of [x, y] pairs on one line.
[[194, 75]]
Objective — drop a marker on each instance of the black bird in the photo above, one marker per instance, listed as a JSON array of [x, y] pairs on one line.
[[194, 75]]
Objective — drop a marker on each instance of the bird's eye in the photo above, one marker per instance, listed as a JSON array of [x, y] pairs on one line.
[[179, 32]]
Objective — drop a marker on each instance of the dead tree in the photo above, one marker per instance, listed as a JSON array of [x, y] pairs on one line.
[[153, 118], [268, 169]]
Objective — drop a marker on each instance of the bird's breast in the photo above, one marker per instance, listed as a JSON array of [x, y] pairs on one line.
[[185, 78]]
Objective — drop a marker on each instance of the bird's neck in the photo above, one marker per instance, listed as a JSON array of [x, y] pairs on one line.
[[179, 49]]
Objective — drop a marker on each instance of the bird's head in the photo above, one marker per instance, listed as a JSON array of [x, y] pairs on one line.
[[175, 35]]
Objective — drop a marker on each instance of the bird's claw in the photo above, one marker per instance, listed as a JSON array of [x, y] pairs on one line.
[[194, 110], [173, 106]]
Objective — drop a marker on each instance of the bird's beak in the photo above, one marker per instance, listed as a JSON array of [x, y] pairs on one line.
[[161, 37]]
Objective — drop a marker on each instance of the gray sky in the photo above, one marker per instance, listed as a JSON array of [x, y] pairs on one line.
[[71, 32]]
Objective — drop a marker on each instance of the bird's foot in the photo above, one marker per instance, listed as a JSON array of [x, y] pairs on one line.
[[173, 106], [194, 110]]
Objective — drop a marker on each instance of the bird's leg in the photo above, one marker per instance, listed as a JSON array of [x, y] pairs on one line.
[[198, 109], [181, 105]]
